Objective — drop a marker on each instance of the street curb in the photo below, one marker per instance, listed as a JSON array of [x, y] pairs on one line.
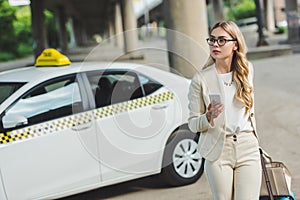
[[269, 51]]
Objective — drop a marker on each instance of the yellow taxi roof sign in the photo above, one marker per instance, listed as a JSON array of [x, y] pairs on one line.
[[52, 57]]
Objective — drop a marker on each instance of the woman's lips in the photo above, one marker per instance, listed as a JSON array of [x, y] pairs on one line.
[[216, 51]]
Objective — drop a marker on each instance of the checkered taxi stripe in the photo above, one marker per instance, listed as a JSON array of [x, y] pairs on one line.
[[82, 118], [45, 128], [131, 105]]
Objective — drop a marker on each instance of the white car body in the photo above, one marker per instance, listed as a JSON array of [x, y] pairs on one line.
[[91, 148]]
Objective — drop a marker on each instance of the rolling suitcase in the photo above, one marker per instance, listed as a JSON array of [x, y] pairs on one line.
[[276, 180]]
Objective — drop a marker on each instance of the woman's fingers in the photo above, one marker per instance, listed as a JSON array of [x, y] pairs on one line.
[[219, 107], [213, 111], [216, 109]]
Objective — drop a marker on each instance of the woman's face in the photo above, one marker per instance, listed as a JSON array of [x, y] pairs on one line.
[[217, 51]]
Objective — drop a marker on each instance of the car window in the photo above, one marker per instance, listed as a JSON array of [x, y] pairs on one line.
[[7, 89], [51, 100], [149, 85], [114, 87]]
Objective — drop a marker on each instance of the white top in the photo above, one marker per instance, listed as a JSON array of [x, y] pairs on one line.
[[235, 118]]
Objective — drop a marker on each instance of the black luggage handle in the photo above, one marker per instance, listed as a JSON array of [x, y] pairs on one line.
[[263, 164]]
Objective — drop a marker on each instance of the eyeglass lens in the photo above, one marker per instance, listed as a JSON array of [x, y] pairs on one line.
[[220, 41]]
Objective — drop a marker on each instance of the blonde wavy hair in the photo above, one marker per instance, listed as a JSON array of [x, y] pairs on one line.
[[239, 65]]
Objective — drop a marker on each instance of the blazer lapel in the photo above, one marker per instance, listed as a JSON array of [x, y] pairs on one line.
[[214, 87], [211, 78]]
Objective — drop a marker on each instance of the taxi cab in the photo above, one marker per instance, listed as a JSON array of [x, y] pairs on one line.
[[67, 128]]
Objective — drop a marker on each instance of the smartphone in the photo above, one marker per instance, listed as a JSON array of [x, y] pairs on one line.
[[216, 97]]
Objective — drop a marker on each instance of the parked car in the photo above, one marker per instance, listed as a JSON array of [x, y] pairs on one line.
[[67, 128]]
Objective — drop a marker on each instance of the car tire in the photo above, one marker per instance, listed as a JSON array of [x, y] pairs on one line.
[[182, 163]]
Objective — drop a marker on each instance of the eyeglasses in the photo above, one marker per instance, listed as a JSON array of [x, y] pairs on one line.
[[221, 41]]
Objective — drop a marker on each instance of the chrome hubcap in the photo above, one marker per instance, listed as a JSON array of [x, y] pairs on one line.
[[186, 158]]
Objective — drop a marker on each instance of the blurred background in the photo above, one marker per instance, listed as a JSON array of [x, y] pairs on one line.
[[30, 26]]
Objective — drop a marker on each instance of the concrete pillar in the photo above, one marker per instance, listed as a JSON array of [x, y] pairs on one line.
[[129, 26], [292, 14], [146, 18], [111, 31], [269, 15], [119, 38], [38, 27], [63, 35], [80, 32], [84, 34], [218, 10], [187, 29], [77, 31], [259, 16], [72, 34]]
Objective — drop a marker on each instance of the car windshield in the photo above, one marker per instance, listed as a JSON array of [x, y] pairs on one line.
[[7, 89]]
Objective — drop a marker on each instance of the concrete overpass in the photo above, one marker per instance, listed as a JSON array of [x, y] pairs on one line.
[[116, 17], [186, 23]]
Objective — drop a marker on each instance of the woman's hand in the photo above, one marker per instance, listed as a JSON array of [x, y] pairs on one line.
[[213, 111]]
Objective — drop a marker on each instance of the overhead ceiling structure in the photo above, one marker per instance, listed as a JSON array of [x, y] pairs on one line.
[[187, 19], [94, 14], [86, 18]]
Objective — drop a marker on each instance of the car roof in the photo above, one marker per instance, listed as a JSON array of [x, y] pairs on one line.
[[28, 74]]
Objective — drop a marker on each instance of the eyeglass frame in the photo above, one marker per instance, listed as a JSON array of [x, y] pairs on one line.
[[217, 40]]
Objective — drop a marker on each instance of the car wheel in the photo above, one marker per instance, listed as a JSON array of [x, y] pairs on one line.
[[182, 163]]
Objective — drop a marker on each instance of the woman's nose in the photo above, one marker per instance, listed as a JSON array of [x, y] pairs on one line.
[[216, 44]]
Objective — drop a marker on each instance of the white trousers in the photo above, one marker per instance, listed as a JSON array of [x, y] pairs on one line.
[[237, 173]]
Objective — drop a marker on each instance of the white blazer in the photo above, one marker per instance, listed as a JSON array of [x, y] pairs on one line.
[[212, 139]]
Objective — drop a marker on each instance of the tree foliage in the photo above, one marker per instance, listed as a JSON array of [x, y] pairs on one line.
[[241, 9], [16, 34], [15, 31], [22, 27], [8, 43]]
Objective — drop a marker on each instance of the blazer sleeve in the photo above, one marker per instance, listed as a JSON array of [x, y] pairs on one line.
[[197, 121]]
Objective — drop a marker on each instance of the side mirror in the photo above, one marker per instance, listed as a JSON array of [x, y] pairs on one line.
[[12, 120]]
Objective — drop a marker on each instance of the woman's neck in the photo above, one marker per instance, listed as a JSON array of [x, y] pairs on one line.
[[223, 66]]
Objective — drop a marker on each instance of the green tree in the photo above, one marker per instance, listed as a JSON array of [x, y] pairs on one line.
[[16, 33], [22, 29], [8, 42], [241, 9]]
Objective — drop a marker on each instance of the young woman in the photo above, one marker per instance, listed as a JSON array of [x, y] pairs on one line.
[[228, 139]]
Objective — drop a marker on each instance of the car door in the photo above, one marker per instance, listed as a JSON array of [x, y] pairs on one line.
[[133, 123], [49, 142]]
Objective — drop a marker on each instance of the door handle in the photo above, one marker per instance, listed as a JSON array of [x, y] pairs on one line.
[[81, 127], [160, 106]]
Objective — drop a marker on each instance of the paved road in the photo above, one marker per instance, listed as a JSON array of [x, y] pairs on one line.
[[277, 83]]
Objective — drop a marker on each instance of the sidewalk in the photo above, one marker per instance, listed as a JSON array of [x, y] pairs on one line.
[[153, 50], [277, 45], [28, 61]]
